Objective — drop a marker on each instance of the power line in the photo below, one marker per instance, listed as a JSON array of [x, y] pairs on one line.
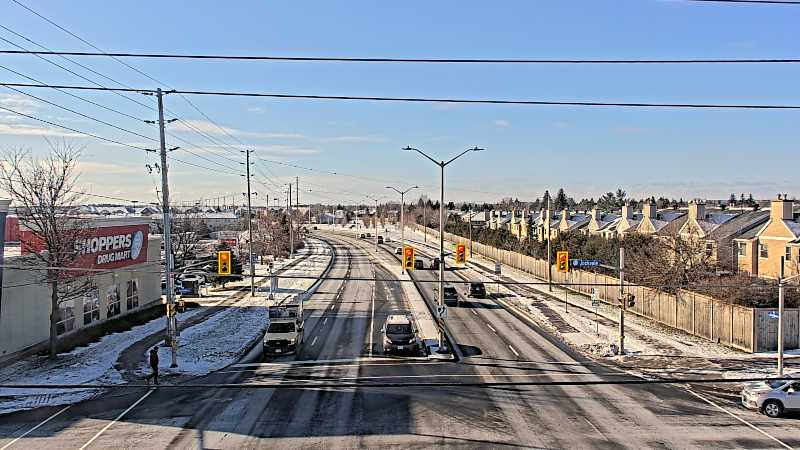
[[430, 60], [203, 167], [74, 130], [439, 100]]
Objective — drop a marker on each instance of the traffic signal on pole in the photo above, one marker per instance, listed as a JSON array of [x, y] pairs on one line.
[[461, 254], [224, 262], [562, 261], [627, 301], [408, 257], [170, 309]]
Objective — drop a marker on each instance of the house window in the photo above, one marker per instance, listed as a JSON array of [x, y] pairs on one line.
[[66, 317], [133, 294], [742, 249], [788, 253], [709, 248], [763, 251], [112, 295], [91, 306]]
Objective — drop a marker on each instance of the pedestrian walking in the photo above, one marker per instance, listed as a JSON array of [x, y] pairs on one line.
[[153, 365]]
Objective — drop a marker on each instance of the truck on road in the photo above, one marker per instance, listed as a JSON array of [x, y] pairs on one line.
[[284, 330]]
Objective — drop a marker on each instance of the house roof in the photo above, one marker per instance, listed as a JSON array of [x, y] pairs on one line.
[[738, 224]]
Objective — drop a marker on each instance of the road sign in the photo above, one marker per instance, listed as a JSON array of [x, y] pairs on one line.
[[408, 257], [441, 312], [224, 262], [562, 261], [497, 268], [773, 315], [461, 254], [585, 262], [595, 297]]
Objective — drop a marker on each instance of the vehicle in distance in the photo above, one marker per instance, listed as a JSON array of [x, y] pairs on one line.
[[285, 330], [398, 250], [477, 290], [380, 239], [363, 236], [400, 334], [773, 397], [369, 235], [418, 264], [435, 264], [450, 296], [387, 239]]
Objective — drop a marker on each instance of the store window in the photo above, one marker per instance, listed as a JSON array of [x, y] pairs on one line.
[[66, 317], [133, 294], [91, 306], [112, 295]]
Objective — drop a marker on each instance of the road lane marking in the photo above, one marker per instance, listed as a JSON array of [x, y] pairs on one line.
[[324, 320], [737, 417], [513, 351], [372, 313], [314, 341], [490, 327], [119, 417], [332, 305], [35, 428], [474, 312]]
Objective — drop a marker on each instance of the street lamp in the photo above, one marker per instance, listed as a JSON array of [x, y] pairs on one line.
[[442, 165], [375, 218], [402, 218]]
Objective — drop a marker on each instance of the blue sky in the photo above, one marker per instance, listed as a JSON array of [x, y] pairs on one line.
[[588, 151]]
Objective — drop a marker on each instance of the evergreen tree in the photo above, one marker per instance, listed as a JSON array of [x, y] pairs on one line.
[[560, 202], [732, 200], [546, 200]]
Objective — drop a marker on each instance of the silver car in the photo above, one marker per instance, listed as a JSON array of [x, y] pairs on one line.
[[772, 398]]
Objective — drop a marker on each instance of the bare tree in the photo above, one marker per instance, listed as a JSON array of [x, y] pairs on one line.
[[43, 190], [670, 260]]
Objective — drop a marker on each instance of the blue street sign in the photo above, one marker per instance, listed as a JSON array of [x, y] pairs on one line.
[[585, 262], [773, 314]]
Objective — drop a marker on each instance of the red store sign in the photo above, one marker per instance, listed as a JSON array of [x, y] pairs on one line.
[[103, 248]]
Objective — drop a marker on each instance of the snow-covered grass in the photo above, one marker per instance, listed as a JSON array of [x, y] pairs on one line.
[[225, 337]]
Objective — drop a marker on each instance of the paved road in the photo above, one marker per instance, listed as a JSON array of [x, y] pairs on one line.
[[343, 344]]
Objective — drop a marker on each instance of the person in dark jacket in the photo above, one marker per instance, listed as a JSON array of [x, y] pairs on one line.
[[153, 365]]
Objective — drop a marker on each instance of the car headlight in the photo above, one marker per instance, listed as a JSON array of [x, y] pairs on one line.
[[291, 341], [413, 340], [386, 340]]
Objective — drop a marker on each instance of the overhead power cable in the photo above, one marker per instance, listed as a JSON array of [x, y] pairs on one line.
[[438, 100], [74, 130], [425, 60], [200, 166]]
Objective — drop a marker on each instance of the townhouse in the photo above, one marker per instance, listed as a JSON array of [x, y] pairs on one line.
[[760, 250]]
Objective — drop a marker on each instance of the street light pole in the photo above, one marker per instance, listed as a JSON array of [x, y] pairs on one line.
[[442, 165], [402, 218], [250, 226], [375, 219]]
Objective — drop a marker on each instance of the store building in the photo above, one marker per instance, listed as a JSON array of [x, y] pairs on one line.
[[124, 275]]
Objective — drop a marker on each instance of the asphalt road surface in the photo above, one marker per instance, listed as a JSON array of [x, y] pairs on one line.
[[343, 344]]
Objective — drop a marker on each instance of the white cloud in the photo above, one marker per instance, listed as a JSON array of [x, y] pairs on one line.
[[19, 129], [207, 127], [101, 168], [19, 103], [354, 139], [501, 123]]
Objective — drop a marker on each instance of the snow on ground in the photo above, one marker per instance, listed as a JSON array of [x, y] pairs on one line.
[[225, 337]]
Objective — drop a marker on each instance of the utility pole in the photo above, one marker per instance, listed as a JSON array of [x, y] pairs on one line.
[[622, 299], [297, 191], [470, 232], [291, 227], [375, 219], [250, 227], [780, 319], [549, 253], [172, 321], [424, 223], [402, 218], [442, 165]]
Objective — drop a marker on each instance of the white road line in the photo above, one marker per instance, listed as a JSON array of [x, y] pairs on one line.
[[332, 306], [513, 351], [737, 417], [314, 341], [324, 320], [490, 327], [474, 312], [35, 428], [119, 417], [372, 313]]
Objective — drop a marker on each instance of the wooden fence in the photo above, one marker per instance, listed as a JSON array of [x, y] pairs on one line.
[[743, 328]]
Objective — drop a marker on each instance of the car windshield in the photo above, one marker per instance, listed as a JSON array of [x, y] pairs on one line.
[[449, 290], [477, 285], [398, 328], [281, 327], [775, 384]]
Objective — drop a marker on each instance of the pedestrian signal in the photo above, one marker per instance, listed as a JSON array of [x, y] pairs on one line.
[[461, 254], [562, 262], [408, 257], [224, 262]]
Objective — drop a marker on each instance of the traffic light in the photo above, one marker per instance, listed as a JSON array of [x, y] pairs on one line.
[[461, 254], [627, 301], [224, 262], [170, 309], [408, 257], [562, 261]]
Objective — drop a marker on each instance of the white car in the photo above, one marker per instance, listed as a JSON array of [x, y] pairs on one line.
[[398, 251], [773, 397]]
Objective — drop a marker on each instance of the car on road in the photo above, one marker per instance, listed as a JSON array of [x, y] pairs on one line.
[[380, 239], [477, 290], [369, 235], [772, 398], [363, 236], [400, 334], [418, 264], [435, 264], [387, 239], [450, 295], [398, 250]]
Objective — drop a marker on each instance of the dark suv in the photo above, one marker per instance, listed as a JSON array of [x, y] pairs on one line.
[[450, 296], [400, 334], [477, 290]]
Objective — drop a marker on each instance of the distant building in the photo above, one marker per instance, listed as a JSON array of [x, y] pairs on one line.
[[759, 251]]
